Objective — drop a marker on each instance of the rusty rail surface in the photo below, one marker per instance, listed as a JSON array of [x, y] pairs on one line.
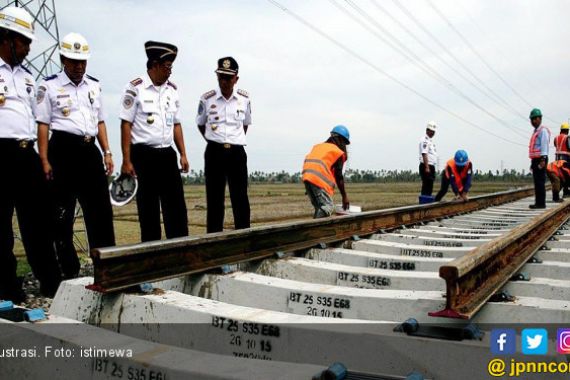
[[121, 267], [474, 278]]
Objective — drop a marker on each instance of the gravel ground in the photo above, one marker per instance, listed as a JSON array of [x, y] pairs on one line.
[[32, 289]]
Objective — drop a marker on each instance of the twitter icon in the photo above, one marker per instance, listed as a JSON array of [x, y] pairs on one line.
[[534, 341]]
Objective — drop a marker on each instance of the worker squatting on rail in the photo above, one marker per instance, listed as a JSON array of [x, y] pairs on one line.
[[559, 174], [538, 154], [69, 104], [458, 173], [223, 118], [150, 125], [27, 188], [322, 170]]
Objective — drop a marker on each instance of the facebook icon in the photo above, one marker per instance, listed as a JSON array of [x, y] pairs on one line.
[[503, 341]]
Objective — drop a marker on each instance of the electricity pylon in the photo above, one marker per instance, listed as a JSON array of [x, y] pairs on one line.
[[43, 63]]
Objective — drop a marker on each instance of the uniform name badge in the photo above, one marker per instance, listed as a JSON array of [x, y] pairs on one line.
[[169, 119]]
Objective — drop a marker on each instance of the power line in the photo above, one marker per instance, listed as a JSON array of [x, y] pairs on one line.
[[378, 69], [416, 60], [476, 53], [488, 92], [449, 53], [483, 32]]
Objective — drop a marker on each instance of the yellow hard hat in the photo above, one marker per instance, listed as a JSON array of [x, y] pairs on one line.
[[564, 127]]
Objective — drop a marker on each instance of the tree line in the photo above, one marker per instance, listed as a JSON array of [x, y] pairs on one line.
[[367, 176]]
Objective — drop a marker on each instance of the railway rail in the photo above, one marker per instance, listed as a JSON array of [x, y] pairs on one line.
[[361, 296]]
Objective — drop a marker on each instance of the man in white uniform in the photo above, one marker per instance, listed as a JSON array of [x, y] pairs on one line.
[[150, 125], [224, 115], [24, 187], [70, 105], [428, 159]]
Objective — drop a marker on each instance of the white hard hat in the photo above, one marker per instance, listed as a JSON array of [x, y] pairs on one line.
[[432, 126], [17, 20], [74, 46], [123, 189]]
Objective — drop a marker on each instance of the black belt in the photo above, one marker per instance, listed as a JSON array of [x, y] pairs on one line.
[[225, 146], [15, 143], [72, 138], [142, 146]]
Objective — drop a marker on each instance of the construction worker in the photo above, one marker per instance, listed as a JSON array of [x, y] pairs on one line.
[[70, 105], [562, 144], [224, 116], [322, 169], [150, 125], [538, 154], [559, 174], [428, 159], [458, 172], [24, 187]]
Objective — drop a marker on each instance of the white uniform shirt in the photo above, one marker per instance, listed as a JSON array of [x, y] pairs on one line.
[[224, 119], [17, 103], [153, 111], [427, 146], [69, 108]]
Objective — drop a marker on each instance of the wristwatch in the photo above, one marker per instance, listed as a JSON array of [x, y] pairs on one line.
[[107, 153]]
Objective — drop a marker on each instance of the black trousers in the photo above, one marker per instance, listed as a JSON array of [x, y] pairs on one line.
[[427, 179], [539, 177], [226, 163], [445, 183], [78, 175], [24, 189], [160, 186]]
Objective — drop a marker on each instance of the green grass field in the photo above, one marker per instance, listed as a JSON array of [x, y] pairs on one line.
[[270, 204]]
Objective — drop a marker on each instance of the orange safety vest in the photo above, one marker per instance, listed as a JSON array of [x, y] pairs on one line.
[[533, 151], [459, 173], [317, 168], [558, 169], [561, 144]]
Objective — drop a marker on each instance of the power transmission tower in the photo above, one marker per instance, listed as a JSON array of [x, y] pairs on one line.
[[42, 64]]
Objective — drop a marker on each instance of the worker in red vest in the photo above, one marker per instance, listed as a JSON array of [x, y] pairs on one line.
[[562, 144], [559, 174], [457, 173], [538, 154], [322, 170]]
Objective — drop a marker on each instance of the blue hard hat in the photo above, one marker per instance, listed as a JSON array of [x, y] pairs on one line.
[[341, 130], [461, 158]]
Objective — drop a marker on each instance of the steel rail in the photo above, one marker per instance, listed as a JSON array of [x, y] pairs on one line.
[[471, 280], [117, 268]]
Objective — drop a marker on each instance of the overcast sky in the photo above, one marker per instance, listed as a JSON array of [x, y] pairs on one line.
[[302, 84]]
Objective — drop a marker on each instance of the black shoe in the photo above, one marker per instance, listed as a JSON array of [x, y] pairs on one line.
[[536, 206], [557, 200], [48, 290], [15, 293], [70, 276]]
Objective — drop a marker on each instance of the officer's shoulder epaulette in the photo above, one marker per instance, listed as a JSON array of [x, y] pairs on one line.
[[136, 82], [243, 93], [51, 77], [209, 94], [172, 85], [26, 70], [92, 78]]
